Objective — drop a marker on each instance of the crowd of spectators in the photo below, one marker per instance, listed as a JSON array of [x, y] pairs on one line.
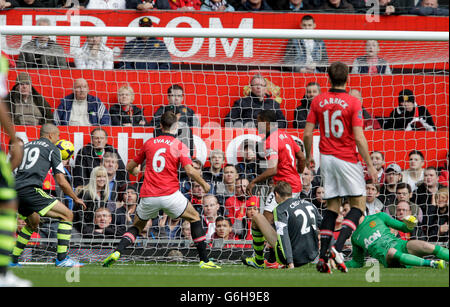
[[387, 7], [99, 176]]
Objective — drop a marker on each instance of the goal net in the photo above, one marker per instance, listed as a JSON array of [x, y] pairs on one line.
[[200, 73]]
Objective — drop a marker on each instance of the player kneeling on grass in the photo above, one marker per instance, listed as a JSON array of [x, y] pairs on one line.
[[374, 236], [296, 238], [160, 190]]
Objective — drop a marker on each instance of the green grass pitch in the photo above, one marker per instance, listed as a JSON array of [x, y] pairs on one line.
[[231, 275]]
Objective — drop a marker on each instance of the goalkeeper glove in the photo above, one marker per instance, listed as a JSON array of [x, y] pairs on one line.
[[410, 221]]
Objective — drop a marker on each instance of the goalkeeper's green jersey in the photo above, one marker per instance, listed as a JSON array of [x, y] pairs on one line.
[[374, 236]]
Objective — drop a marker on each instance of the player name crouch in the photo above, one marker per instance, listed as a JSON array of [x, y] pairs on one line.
[[197, 297]]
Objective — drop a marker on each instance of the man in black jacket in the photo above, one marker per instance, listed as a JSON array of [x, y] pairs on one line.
[[245, 110], [409, 115]]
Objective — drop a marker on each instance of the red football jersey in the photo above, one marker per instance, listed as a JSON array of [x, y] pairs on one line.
[[337, 113], [163, 155], [280, 145]]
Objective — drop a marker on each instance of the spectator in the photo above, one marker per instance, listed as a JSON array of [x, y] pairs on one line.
[[170, 228], [383, 7], [91, 155], [308, 55], [41, 52], [81, 109], [235, 206], [293, 5], [145, 47], [392, 176], [414, 173], [94, 54], [423, 195], [195, 196], [371, 63], [373, 204], [214, 173], [225, 190], [249, 166], [106, 4], [102, 227], [369, 122], [409, 115], [438, 217], [30, 4], [94, 195], [443, 171], [111, 162], [216, 6], [255, 6], [428, 8], [187, 119], [175, 97], [307, 187], [337, 6], [318, 201], [245, 110], [186, 231], [185, 5], [301, 112], [26, 105], [210, 213], [378, 162], [147, 5], [403, 209], [224, 232], [125, 113], [404, 193], [125, 207]]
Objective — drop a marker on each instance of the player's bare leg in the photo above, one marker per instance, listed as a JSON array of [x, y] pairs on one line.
[[326, 233], [422, 248], [271, 263], [198, 236]]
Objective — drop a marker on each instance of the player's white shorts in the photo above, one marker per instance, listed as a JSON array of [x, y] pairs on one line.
[[271, 203], [174, 205], [341, 178]]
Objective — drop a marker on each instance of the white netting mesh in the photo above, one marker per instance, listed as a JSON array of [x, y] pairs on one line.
[[210, 91]]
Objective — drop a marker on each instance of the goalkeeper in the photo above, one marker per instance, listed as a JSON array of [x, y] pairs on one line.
[[373, 235]]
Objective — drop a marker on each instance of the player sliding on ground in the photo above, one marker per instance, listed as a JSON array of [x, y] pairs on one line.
[[160, 190], [295, 240], [373, 236]]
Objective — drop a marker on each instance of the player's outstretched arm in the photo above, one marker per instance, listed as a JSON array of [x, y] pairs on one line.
[[195, 175], [363, 150], [67, 189], [403, 226]]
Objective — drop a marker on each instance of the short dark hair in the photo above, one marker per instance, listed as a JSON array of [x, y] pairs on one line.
[[377, 151], [377, 186], [313, 83], [403, 185], [168, 119], [175, 87], [307, 17], [283, 189], [268, 116], [416, 152], [223, 218], [338, 73]]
